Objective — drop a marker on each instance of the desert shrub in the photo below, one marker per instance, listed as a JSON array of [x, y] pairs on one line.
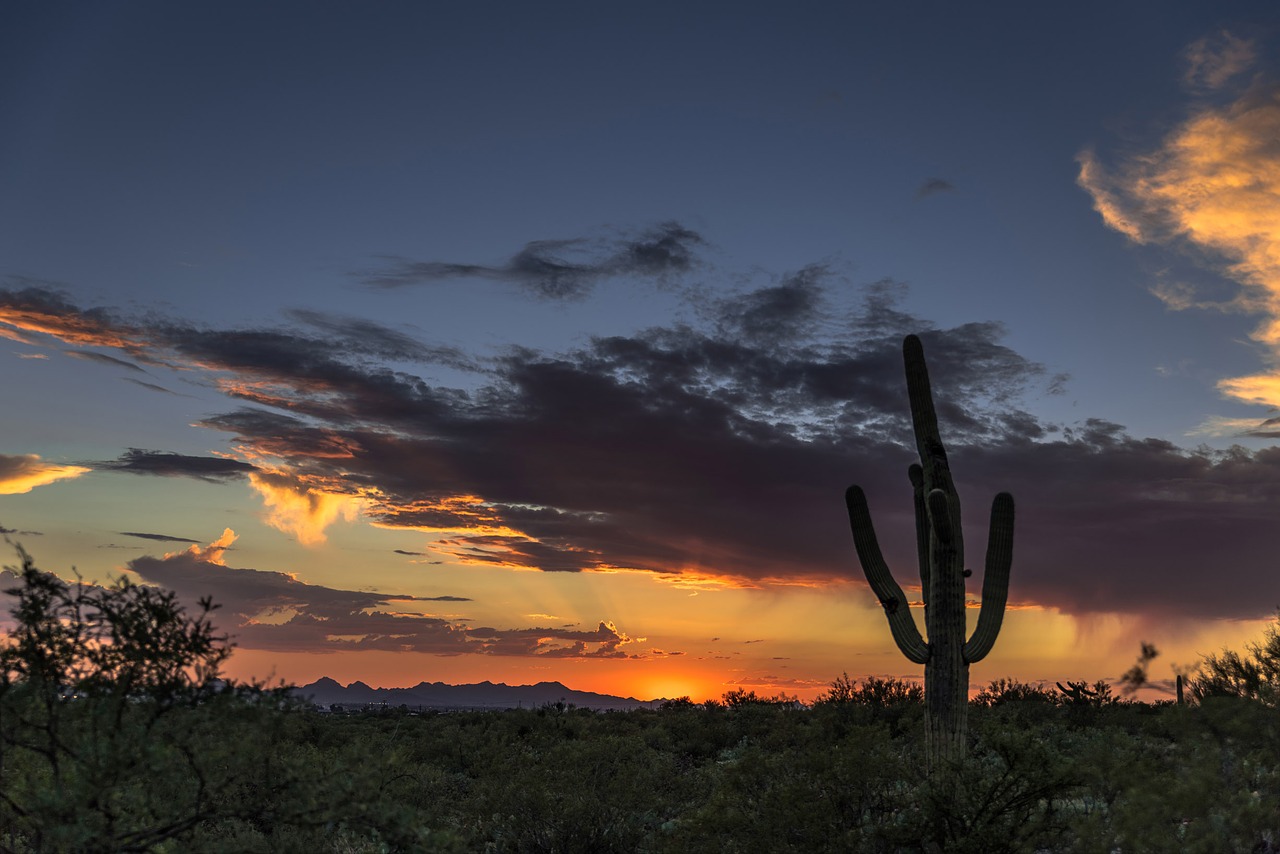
[[116, 734], [1006, 690], [801, 792], [874, 691], [1254, 674]]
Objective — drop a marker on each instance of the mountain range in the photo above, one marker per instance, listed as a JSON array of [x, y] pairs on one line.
[[326, 692]]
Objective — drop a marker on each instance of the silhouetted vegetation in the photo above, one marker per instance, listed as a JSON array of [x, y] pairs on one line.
[[116, 734]]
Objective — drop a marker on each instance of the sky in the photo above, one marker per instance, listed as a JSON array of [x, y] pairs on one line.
[[533, 342]]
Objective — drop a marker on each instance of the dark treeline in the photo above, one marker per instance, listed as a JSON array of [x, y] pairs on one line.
[[114, 737]]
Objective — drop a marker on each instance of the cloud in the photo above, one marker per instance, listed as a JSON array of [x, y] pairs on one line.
[[301, 509], [365, 338], [269, 610], [103, 358], [212, 469], [1212, 187], [562, 269], [771, 315], [24, 472], [1239, 427], [163, 538], [933, 186], [1268, 429], [36, 310], [151, 386], [716, 453], [1214, 60]]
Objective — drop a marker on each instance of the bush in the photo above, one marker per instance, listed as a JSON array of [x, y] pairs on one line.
[[1254, 675], [874, 691], [116, 734]]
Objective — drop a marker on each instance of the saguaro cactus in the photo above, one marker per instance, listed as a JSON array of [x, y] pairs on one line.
[[946, 655]]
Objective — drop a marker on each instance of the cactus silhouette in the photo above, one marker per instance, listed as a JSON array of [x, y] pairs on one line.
[[946, 655]]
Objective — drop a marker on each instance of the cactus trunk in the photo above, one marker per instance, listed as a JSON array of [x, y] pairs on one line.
[[946, 655]]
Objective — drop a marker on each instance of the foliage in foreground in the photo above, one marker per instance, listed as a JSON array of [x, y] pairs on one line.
[[115, 735]]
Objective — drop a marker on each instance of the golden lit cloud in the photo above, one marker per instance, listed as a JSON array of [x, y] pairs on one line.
[[296, 508], [24, 472], [19, 319], [452, 514], [1213, 186], [1217, 425], [214, 552]]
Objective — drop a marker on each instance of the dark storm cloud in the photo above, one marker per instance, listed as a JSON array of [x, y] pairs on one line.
[[139, 461], [547, 268], [162, 538], [772, 315], [933, 186], [103, 358], [273, 611], [724, 448]]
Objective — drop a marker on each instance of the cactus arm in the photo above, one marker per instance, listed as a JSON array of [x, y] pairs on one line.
[[924, 419], [995, 582], [940, 516], [901, 624], [916, 474]]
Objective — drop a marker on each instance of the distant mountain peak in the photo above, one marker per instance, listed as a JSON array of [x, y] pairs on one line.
[[324, 682], [482, 695]]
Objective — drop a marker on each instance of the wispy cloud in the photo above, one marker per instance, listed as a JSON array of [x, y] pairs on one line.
[[1214, 60], [561, 269], [773, 314], [1211, 187], [150, 386], [24, 472], [103, 358], [269, 610], [161, 538], [934, 186], [164, 464]]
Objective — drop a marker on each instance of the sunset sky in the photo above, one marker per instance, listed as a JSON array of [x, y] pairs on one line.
[[539, 341]]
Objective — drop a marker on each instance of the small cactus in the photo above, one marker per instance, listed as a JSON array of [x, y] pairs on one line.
[[1077, 692], [946, 655]]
